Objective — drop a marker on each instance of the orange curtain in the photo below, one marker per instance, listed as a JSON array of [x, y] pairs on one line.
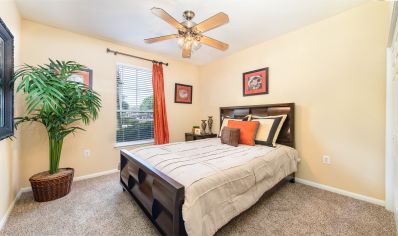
[[160, 126]]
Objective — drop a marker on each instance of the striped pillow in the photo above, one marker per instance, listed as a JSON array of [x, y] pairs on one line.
[[269, 129]]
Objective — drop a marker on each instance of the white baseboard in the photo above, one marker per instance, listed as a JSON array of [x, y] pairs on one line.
[[98, 174], [342, 192], [28, 189], [5, 217]]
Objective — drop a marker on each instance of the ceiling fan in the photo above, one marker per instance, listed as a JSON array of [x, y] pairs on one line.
[[189, 33]]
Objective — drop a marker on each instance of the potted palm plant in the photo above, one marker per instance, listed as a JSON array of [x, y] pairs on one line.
[[61, 106]]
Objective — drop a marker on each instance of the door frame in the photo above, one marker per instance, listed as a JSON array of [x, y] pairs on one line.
[[391, 156]]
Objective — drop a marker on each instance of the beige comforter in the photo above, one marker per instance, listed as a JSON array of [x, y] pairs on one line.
[[220, 181]]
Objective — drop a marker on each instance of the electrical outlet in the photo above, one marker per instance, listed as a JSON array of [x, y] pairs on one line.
[[326, 160], [87, 152]]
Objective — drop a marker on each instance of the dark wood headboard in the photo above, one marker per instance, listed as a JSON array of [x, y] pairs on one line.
[[286, 136]]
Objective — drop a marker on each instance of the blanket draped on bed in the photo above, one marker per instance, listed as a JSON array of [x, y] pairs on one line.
[[220, 181]]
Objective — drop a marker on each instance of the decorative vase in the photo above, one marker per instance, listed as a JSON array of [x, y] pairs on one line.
[[48, 187], [203, 126], [210, 123]]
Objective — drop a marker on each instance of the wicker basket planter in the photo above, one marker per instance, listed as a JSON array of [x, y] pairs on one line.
[[48, 187]]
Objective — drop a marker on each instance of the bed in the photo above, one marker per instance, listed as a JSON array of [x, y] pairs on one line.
[[197, 187]]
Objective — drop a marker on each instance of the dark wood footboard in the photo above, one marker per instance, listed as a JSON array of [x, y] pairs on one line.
[[158, 195]]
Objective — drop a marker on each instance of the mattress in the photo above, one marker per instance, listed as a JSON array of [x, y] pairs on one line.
[[220, 181]]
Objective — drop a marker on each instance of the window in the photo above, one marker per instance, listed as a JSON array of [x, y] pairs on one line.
[[134, 105], [6, 88]]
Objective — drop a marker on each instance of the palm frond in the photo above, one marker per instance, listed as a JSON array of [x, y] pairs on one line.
[[53, 100]]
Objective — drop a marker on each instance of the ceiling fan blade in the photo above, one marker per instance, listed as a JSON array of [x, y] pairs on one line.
[[214, 43], [161, 38], [212, 22], [186, 51], [166, 17]]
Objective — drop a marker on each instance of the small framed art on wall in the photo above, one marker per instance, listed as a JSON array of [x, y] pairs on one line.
[[85, 76], [183, 93], [255, 82]]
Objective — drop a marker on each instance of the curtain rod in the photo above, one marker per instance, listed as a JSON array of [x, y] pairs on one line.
[[129, 55]]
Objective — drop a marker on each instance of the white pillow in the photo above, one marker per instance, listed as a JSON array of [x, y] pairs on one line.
[[226, 119], [269, 129]]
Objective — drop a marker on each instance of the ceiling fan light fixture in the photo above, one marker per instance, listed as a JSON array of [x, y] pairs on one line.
[[187, 44], [181, 41], [190, 35], [196, 45]]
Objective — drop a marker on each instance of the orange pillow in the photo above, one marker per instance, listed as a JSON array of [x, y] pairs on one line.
[[248, 130]]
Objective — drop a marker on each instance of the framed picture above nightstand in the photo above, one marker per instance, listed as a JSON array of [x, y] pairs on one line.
[[183, 93], [192, 137]]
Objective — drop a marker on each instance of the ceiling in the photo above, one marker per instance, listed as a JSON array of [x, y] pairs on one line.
[[131, 21]]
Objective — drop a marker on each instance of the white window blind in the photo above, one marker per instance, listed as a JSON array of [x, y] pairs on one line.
[[134, 104]]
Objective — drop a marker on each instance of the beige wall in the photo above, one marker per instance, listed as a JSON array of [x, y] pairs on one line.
[[9, 157], [334, 71], [41, 42]]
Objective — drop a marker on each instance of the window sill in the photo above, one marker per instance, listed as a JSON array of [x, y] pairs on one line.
[[133, 143]]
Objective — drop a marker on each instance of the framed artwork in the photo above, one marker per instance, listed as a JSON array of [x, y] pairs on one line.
[[197, 131], [6, 88], [255, 82], [85, 76], [183, 93]]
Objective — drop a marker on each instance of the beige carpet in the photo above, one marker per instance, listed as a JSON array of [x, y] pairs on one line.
[[99, 207]]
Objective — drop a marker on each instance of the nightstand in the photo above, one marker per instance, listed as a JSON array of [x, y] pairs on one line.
[[191, 136]]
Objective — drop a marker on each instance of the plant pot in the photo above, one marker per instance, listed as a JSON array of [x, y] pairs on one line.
[[48, 187]]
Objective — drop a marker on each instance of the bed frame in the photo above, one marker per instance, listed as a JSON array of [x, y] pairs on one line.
[[161, 197]]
